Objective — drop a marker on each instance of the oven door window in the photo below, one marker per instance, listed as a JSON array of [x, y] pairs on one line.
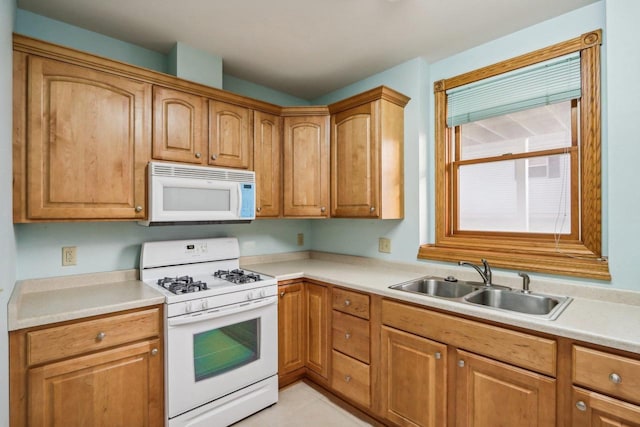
[[221, 350]]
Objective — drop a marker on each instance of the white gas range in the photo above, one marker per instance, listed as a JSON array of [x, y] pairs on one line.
[[221, 331]]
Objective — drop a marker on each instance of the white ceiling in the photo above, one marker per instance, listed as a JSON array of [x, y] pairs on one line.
[[306, 48]]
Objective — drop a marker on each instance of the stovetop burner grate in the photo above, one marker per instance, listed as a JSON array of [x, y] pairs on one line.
[[182, 284], [237, 276]]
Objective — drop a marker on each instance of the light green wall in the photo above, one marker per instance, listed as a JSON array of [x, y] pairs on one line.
[[195, 65], [7, 240], [263, 93]]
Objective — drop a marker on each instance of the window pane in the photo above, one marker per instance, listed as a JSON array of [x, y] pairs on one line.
[[221, 350], [526, 131], [524, 195]]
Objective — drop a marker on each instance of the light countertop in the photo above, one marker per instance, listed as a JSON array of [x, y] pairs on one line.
[[601, 316], [43, 301]]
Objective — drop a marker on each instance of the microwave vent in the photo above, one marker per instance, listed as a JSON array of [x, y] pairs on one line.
[[196, 172]]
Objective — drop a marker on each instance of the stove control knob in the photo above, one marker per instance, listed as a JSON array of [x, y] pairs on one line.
[[187, 307], [249, 295], [263, 293], [205, 304]]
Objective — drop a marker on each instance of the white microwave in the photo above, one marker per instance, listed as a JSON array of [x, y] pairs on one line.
[[185, 194]]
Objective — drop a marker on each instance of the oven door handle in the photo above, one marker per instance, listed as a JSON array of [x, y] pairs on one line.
[[212, 314]]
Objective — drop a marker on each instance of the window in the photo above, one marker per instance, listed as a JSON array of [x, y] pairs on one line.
[[518, 163]]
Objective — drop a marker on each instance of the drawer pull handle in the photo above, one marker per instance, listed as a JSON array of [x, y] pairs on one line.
[[615, 378], [347, 378], [198, 155], [154, 352], [347, 336], [438, 355], [347, 303], [461, 363], [581, 405], [100, 336]]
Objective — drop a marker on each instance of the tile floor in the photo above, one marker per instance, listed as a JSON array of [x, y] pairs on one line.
[[301, 405]]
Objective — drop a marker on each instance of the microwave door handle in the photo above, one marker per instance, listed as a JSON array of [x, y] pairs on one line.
[[177, 321]]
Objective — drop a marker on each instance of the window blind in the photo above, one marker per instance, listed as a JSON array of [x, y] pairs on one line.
[[540, 84]]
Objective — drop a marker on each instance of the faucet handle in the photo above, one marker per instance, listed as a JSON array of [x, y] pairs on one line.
[[525, 282]]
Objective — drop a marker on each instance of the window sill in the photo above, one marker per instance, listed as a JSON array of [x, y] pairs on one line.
[[589, 267]]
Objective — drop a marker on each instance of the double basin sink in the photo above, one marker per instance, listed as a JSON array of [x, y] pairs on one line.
[[495, 297]]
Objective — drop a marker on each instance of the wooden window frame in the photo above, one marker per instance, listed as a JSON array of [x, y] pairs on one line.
[[580, 256]]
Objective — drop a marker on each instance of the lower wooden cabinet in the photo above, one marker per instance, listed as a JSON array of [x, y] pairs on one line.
[[490, 393], [317, 329], [89, 372], [291, 337], [596, 410], [414, 379], [351, 378]]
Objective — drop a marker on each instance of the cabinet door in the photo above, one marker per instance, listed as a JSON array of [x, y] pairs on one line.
[[595, 410], [355, 173], [492, 394], [306, 166], [267, 154], [230, 139], [291, 337], [88, 143], [120, 387], [179, 126], [317, 329], [414, 378]]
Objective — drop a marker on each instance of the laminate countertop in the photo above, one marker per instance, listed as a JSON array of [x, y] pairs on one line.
[[38, 302], [597, 314]]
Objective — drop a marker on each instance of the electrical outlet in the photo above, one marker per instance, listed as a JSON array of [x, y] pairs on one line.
[[384, 245], [300, 239], [69, 255]]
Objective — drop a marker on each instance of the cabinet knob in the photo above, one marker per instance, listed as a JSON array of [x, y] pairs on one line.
[[461, 363], [323, 209], [154, 352], [198, 155], [100, 336], [214, 157], [615, 378], [438, 355], [372, 209], [258, 209], [281, 294], [347, 378], [347, 303], [347, 336], [581, 405], [138, 208]]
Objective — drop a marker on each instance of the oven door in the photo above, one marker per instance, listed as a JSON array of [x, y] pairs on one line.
[[213, 353]]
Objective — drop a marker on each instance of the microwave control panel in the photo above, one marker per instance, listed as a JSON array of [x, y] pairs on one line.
[[248, 191]]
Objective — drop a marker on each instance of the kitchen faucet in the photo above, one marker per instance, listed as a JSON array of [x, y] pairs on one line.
[[486, 274]]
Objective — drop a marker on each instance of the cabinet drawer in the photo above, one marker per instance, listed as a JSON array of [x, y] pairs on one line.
[[608, 373], [351, 378], [351, 336], [90, 335], [351, 302]]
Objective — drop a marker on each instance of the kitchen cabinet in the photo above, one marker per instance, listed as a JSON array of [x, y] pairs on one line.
[[179, 126], [490, 393], [82, 141], [267, 155], [414, 379], [102, 371], [306, 162], [351, 370], [596, 410], [291, 328], [230, 135], [317, 328], [367, 140], [605, 388]]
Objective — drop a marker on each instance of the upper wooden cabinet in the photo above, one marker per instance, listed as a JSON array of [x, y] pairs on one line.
[[179, 126], [367, 140], [84, 152], [230, 135], [267, 155], [306, 162]]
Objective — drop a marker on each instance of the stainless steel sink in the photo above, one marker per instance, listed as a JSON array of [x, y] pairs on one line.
[[546, 306], [494, 297], [437, 287]]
